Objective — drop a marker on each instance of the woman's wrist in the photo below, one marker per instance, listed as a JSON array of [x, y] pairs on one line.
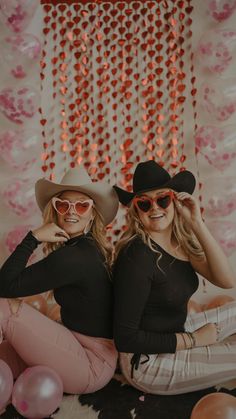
[[186, 340], [34, 234], [198, 226]]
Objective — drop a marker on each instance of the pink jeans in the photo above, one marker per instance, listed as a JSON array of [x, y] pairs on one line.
[[85, 364]]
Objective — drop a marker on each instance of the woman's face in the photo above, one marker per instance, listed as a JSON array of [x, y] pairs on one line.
[[73, 218], [157, 218]]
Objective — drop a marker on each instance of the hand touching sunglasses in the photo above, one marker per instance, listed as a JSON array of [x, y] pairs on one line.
[[145, 203], [62, 206]]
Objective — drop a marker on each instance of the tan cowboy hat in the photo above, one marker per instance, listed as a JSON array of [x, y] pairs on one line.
[[77, 179]]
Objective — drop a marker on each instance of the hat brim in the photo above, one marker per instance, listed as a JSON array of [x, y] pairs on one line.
[[102, 193], [182, 182]]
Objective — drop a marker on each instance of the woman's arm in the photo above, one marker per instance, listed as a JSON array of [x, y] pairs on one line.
[[214, 266], [59, 268], [204, 336]]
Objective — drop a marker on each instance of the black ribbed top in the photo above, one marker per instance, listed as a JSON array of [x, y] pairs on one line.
[[77, 274], [150, 303]]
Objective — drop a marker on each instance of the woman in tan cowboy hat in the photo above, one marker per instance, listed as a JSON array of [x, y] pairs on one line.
[[76, 268], [162, 350]]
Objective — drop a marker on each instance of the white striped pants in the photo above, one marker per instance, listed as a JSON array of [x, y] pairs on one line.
[[190, 369]]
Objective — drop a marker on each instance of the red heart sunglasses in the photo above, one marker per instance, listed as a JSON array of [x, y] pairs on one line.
[[62, 206], [145, 203]]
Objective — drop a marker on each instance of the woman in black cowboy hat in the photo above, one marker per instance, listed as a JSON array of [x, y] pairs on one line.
[[76, 267], [162, 350]]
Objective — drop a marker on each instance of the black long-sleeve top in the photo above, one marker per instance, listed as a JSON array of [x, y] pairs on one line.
[[150, 304], [76, 273]]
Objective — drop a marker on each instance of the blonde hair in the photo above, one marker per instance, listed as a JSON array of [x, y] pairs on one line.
[[184, 236], [98, 231]]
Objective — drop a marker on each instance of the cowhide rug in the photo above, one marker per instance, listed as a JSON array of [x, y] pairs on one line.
[[118, 400]]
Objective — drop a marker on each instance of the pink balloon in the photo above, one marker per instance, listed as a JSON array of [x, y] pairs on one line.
[[20, 149], [6, 383], [225, 234], [37, 392], [16, 14], [215, 49], [20, 104], [217, 145], [219, 99], [19, 196], [221, 10], [18, 53], [15, 236], [219, 196]]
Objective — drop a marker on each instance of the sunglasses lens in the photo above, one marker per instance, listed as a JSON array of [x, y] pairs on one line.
[[163, 201], [62, 207], [82, 207], [144, 204]]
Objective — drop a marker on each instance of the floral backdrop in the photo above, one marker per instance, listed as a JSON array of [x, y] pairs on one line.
[[108, 84]]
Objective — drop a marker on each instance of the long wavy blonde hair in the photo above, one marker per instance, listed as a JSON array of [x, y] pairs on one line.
[[181, 232], [98, 231]]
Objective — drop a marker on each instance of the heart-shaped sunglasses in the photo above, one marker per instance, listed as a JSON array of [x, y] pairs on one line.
[[145, 203], [62, 206]]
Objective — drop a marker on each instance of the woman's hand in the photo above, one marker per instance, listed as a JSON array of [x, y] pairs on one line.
[[206, 335], [50, 233], [188, 207]]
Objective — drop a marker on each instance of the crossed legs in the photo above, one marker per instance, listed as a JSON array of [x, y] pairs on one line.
[[34, 339]]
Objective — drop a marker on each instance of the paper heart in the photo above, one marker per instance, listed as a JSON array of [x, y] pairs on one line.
[[219, 196], [19, 196], [20, 149], [19, 52], [225, 234], [217, 145], [16, 14], [14, 237], [215, 49], [219, 99], [19, 104], [221, 10]]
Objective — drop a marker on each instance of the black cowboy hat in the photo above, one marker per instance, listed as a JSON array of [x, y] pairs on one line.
[[149, 175]]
